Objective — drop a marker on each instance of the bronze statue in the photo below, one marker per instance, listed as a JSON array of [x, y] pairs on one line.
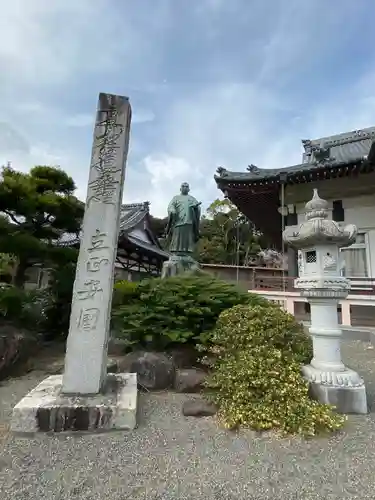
[[182, 230]]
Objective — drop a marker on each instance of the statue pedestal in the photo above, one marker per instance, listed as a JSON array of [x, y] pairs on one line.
[[179, 264]]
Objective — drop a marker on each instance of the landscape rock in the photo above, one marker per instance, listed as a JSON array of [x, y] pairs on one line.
[[198, 408], [16, 348], [116, 347], [112, 365], [155, 370], [184, 356], [189, 380]]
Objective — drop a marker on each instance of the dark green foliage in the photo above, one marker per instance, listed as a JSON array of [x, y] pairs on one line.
[[46, 311], [158, 226], [22, 308], [7, 263], [126, 292], [58, 301], [227, 236], [157, 313], [39, 207]]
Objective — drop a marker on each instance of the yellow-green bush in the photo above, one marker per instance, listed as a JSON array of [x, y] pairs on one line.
[[256, 378], [242, 327]]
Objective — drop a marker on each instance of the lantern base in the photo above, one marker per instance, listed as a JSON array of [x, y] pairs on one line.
[[344, 390]]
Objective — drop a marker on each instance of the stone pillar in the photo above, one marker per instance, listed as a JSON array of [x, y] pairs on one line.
[[289, 305], [86, 354], [85, 398], [346, 314], [319, 240], [326, 335]]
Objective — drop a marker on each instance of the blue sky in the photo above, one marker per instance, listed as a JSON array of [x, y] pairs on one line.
[[211, 82]]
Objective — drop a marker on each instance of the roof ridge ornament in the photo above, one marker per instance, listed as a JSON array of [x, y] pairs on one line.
[[222, 171], [253, 169]]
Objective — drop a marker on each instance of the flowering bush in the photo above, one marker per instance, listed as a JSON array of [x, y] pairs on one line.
[[256, 378]]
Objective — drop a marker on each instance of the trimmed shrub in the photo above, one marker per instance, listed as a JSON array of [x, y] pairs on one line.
[[256, 378], [58, 300], [124, 292], [241, 328], [157, 313], [21, 307]]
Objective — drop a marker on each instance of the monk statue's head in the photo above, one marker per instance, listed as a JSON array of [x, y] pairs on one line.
[[185, 188]]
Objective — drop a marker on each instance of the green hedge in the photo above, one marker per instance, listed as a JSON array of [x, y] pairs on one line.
[[160, 312], [46, 311], [21, 307], [58, 302]]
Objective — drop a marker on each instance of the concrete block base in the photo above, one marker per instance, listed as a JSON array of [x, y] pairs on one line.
[[346, 399], [45, 409], [343, 389], [179, 264]]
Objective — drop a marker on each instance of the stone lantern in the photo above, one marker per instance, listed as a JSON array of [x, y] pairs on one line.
[[319, 240]]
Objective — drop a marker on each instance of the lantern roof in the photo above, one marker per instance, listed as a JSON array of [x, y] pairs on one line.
[[318, 229]]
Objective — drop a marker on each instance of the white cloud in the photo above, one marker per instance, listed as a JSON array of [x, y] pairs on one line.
[[164, 168], [250, 114], [165, 175], [143, 116], [80, 120], [52, 42], [34, 40], [237, 126]]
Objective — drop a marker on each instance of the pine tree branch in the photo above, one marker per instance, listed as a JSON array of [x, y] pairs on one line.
[[11, 216]]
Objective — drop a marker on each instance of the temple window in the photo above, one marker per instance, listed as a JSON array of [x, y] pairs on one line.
[[355, 258], [338, 214]]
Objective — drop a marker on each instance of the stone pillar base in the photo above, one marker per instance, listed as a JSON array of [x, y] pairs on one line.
[[344, 389], [45, 409], [179, 264]]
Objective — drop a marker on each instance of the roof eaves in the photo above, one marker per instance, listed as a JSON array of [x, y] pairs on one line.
[[341, 139], [261, 175], [148, 246]]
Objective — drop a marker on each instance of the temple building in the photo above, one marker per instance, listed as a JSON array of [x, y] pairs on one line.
[[342, 168], [139, 253]]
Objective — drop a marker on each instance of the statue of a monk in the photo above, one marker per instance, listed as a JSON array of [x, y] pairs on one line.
[[183, 222]]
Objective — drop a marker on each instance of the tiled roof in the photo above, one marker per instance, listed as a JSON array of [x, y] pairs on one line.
[[131, 215], [147, 246], [332, 151]]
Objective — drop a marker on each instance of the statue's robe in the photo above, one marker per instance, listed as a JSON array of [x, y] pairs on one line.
[[183, 224]]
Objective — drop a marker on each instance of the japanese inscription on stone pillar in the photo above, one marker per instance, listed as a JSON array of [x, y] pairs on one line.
[[86, 356]]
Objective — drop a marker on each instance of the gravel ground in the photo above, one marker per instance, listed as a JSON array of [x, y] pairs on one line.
[[173, 457]]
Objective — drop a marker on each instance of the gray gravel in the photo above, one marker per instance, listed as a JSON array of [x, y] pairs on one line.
[[173, 457]]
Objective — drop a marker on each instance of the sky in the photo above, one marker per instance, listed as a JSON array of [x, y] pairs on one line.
[[211, 83]]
